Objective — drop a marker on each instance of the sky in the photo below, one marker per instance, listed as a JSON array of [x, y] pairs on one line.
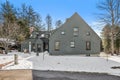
[[62, 9]]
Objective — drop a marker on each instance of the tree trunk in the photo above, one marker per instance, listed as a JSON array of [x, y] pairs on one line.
[[6, 50], [112, 43]]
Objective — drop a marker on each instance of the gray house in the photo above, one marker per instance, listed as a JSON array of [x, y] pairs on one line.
[[38, 42], [32, 45], [74, 37]]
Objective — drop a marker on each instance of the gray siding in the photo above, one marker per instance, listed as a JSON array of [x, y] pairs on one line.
[[25, 44], [80, 40]]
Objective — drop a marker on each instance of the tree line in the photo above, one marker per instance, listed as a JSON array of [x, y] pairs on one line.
[[15, 22], [110, 16]]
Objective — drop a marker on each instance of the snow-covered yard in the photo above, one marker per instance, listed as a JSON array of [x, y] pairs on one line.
[[75, 63], [22, 60]]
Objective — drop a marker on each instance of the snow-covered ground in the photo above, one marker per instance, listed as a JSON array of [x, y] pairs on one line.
[[75, 63], [115, 58], [10, 56], [22, 60]]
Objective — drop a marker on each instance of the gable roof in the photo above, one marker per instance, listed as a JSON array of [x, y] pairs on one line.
[[72, 17]]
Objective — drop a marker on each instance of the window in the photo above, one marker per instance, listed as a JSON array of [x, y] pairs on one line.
[[33, 47], [88, 45], [57, 45], [88, 33], [42, 35], [72, 44], [46, 36], [62, 32], [46, 46], [75, 31]]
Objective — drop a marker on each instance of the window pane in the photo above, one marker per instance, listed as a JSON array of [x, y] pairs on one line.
[[57, 45], [33, 47], [72, 44], [62, 32], [88, 33], [88, 45], [46, 46], [42, 35], [75, 31]]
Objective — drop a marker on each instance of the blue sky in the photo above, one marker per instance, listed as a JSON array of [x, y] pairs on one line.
[[62, 9]]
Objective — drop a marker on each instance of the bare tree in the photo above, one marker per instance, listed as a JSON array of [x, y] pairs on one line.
[[8, 35], [111, 15], [9, 28]]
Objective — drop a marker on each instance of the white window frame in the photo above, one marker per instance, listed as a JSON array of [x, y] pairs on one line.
[[57, 45], [75, 31], [72, 44]]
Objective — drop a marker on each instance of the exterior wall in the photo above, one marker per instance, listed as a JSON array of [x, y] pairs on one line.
[[80, 40], [25, 44]]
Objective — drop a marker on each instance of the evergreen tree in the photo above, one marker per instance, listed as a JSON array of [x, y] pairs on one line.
[[58, 23], [49, 22], [10, 28], [110, 14]]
